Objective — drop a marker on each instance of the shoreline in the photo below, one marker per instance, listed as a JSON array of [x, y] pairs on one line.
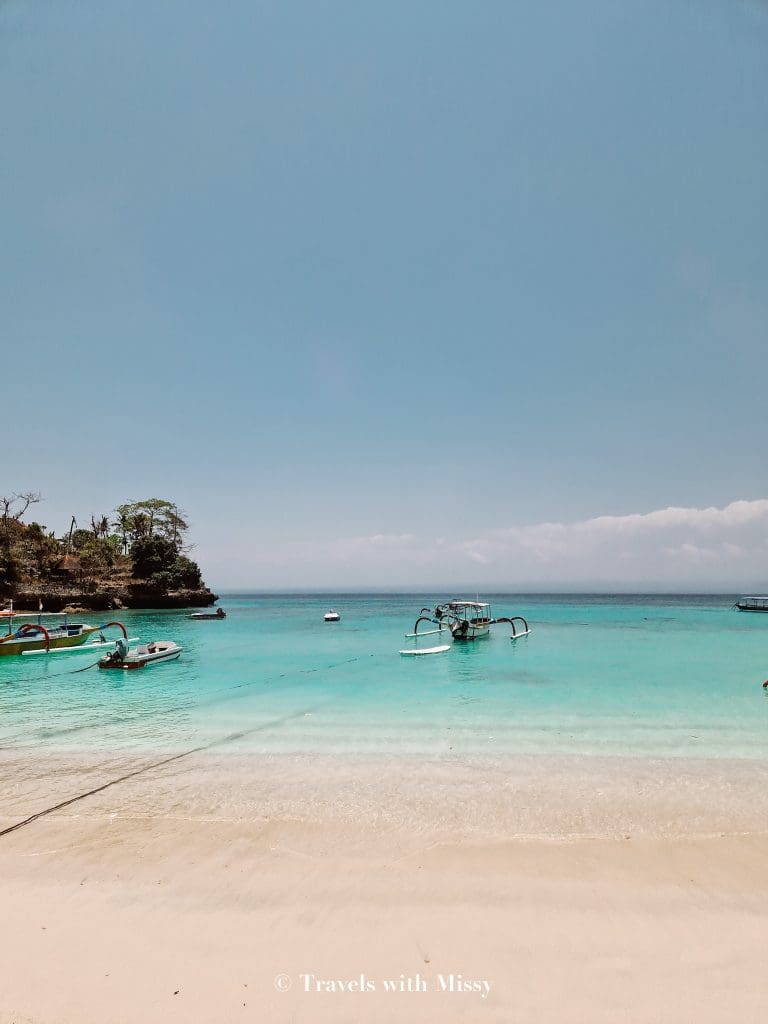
[[485, 797], [192, 891]]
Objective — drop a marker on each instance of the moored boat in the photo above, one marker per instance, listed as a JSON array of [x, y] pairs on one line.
[[466, 620], [752, 604], [34, 636], [137, 657], [218, 614], [332, 616]]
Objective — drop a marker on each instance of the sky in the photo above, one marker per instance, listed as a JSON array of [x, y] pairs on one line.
[[394, 295]]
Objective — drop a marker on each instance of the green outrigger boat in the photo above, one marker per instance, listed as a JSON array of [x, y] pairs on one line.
[[34, 636]]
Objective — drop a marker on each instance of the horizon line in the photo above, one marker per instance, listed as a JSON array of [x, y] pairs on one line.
[[525, 591]]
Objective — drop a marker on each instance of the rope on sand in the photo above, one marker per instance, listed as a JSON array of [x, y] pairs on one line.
[[148, 767], [178, 757]]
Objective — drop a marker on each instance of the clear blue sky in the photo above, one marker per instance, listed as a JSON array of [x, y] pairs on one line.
[[361, 285]]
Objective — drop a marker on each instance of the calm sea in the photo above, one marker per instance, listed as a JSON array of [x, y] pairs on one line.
[[605, 675]]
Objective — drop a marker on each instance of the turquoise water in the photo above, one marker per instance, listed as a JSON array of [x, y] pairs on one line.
[[645, 676]]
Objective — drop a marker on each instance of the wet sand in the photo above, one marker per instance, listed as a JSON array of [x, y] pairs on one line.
[[291, 888]]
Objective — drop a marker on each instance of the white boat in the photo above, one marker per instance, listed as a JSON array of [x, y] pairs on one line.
[[218, 614], [144, 654], [466, 620], [332, 616]]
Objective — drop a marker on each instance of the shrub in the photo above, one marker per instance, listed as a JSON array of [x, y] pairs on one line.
[[152, 555], [182, 573]]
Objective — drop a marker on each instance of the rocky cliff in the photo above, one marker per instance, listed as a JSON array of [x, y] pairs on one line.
[[142, 566]]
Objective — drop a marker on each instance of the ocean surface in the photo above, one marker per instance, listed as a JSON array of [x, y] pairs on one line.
[[646, 676]]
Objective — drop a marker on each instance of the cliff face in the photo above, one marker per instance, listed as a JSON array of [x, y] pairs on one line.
[[74, 582], [142, 565], [105, 596]]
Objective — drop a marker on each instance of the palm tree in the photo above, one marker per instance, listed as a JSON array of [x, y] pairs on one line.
[[124, 522]]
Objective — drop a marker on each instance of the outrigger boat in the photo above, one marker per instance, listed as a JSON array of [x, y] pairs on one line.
[[752, 604], [34, 636], [466, 620], [138, 657]]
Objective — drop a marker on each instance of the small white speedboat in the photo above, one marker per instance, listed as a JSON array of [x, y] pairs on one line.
[[144, 654], [332, 616]]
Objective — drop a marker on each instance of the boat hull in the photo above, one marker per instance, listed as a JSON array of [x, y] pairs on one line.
[[473, 631], [37, 642]]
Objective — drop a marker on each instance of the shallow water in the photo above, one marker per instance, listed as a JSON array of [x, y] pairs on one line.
[[632, 676]]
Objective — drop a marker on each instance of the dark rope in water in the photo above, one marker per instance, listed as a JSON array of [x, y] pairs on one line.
[[56, 675], [214, 696]]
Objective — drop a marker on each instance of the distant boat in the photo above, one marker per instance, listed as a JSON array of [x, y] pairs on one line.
[[332, 616], [218, 614], [752, 604], [144, 654]]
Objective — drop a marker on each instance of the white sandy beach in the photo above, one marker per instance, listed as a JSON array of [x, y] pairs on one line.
[[252, 887]]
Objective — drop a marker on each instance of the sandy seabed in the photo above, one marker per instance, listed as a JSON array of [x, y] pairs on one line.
[[301, 888]]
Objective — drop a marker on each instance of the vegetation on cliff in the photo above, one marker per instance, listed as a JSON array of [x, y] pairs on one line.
[[136, 556]]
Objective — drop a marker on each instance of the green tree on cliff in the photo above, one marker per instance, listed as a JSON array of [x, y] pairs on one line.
[[156, 529], [152, 517], [12, 509]]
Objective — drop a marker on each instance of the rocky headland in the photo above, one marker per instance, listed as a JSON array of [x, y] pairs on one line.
[[134, 558]]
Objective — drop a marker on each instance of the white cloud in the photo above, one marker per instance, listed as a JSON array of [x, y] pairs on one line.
[[667, 544], [683, 547]]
